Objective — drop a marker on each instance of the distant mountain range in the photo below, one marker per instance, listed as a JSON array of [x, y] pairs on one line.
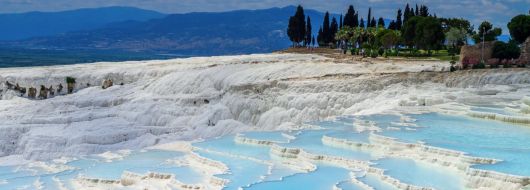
[[235, 32], [129, 29], [38, 24]]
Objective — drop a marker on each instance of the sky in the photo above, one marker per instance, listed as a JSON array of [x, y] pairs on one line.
[[499, 12]]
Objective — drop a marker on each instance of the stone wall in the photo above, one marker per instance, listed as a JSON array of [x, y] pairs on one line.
[[475, 51], [525, 52]]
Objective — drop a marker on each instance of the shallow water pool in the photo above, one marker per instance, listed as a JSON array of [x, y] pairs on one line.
[[256, 167]]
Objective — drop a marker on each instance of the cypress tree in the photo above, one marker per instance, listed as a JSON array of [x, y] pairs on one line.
[[296, 29], [291, 29], [392, 25], [334, 28], [369, 24], [408, 31], [308, 31], [361, 23], [429, 34], [398, 21], [373, 24], [301, 22], [412, 12], [313, 41], [381, 22], [325, 29], [340, 22], [356, 19], [406, 16], [424, 11], [349, 17], [320, 37], [417, 11]]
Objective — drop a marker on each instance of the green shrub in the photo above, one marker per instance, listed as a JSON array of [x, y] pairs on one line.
[[452, 51], [453, 62], [391, 53], [480, 65], [70, 80], [374, 53], [506, 51], [353, 51], [494, 66]]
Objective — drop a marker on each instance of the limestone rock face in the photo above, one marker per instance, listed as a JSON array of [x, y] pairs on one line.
[[475, 51], [525, 52], [9, 85], [20, 89], [106, 84]]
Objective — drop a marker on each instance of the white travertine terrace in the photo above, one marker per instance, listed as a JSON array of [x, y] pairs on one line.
[[353, 165], [111, 156], [239, 138], [500, 117], [361, 126], [429, 152], [194, 98], [210, 168], [198, 98], [476, 178], [361, 184], [447, 158], [130, 180]]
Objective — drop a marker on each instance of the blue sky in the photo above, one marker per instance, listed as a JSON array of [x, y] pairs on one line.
[[499, 12]]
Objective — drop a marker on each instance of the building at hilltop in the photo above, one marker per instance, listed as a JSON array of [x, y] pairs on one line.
[[473, 53]]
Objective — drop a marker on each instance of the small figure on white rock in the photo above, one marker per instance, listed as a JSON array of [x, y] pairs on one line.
[[59, 88], [51, 90], [43, 93], [107, 84], [32, 92], [70, 84]]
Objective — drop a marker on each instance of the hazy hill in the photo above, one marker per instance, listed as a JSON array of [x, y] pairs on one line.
[[235, 32], [37, 24]]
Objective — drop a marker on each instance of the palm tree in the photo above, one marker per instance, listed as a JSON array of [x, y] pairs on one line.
[[344, 35], [358, 34]]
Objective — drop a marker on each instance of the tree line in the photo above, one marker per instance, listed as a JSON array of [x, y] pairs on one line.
[[413, 29]]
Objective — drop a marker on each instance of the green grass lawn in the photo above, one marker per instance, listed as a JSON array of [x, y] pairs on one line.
[[422, 54]]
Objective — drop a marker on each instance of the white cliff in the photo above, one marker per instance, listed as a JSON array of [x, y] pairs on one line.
[[183, 99], [156, 102]]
